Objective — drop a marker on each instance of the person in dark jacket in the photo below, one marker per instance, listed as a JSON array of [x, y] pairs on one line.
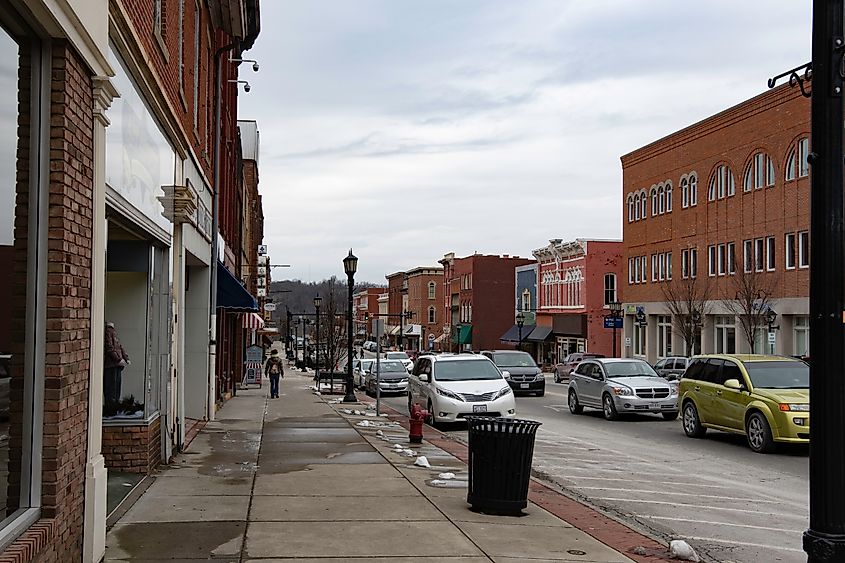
[[274, 370], [115, 359]]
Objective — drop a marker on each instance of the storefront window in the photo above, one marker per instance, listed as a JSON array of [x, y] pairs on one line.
[[664, 336], [21, 278], [801, 336], [725, 335]]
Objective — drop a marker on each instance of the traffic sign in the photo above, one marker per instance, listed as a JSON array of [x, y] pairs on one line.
[[772, 337], [269, 306], [431, 338], [612, 322]]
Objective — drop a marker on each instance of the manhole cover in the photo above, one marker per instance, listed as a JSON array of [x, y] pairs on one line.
[[576, 552]]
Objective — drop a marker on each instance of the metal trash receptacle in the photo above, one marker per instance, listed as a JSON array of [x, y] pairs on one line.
[[500, 454]]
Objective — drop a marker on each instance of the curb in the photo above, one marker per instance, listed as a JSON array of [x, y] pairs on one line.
[[601, 527]]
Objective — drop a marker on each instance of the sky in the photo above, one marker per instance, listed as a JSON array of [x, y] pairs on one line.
[[407, 129]]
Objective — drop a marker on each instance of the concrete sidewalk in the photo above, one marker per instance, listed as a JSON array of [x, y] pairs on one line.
[[303, 478]]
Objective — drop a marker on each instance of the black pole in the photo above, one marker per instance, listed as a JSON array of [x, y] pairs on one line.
[[317, 352], [287, 331], [401, 328], [614, 336], [350, 395], [519, 344], [824, 541]]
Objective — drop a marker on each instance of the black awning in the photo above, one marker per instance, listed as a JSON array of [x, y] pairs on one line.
[[539, 334], [231, 294], [512, 335]]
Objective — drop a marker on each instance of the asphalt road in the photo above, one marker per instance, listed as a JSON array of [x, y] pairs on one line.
[[728, 502]]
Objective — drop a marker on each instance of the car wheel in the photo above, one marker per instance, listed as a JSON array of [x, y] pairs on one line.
[[670, 415], [574, 407], [759, 433], [557, 377], [608, 408], [692, 424], [431, 420]]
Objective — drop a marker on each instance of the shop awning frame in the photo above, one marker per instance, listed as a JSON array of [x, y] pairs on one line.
[[539, 334], [512, 335]]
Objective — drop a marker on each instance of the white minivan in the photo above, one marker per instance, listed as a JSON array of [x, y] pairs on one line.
[[452, 386]]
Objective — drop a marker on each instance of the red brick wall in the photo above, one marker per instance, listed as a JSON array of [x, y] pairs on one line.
[[418, 302], [135, 449], [602, 258], [58, 537], [771, 122]]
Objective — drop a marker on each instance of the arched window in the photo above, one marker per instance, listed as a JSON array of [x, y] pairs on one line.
[[693, 189], [668, 187], [661, 199], [431, 289], [637, 207], [630, 208], [654, 208], [643, 205], [797, 161], [526, 300], [684, 192], [431, 315], [759, 172], [721, 183]]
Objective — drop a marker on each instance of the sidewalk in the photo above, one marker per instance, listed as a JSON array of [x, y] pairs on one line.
[[302, 478]]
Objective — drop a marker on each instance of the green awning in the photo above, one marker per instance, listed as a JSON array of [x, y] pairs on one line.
[[463, 334]]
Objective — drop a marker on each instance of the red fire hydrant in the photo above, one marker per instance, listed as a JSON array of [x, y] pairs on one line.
[[417, 419]]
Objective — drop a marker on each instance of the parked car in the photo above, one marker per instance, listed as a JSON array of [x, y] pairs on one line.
[[672, 368], [765, 398], [563, 369], [452, 386], [402, 357], [360, 369], [391, 376], [369, 346], [621, 385], [520, 371]]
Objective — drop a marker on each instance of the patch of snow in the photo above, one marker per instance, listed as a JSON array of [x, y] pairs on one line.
[[346, 411], [380, 433], [368, 413], [447, 475], [364, 423], [680, 549], [422, 461], [438, 483]]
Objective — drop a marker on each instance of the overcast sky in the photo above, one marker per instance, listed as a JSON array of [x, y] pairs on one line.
[[407, 129]]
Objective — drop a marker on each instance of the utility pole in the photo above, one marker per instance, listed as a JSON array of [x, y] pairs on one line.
[[824, 541]]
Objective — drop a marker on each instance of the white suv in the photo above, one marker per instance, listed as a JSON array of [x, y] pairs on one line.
[[452, 386]]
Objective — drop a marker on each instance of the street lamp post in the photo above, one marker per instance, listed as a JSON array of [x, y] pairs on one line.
[[615, 312], [350, 266], [317, 302], [771, 316], [695, 319], [520, 322]]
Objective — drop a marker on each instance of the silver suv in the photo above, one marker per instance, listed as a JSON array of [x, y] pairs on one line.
[[621, 385], [672, 368]]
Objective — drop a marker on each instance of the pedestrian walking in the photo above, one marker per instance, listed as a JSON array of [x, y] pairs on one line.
[[274, 370]]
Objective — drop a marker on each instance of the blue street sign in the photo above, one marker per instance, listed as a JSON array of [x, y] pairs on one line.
[[612, 322]]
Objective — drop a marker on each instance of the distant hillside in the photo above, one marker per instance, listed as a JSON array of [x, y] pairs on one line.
[[298, 296]]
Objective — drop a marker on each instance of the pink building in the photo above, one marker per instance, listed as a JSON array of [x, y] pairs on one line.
[[575, 283]]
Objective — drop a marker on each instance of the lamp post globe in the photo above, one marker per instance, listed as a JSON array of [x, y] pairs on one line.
[[350, 266]]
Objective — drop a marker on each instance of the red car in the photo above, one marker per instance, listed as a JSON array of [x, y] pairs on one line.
[[563, 370]]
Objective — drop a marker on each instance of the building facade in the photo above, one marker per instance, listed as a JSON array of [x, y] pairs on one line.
[[478, 300], [365, 305], [576, 282], [425, 293], [716, 233]]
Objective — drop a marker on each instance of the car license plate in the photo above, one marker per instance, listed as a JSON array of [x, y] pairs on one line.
[[523, 386], [479, 408], [655, 406]]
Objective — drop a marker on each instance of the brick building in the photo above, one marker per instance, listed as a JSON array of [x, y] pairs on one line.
[[716, 233], [576, 280], [425, 294], [365, 305], [105, 191], [477, 304]]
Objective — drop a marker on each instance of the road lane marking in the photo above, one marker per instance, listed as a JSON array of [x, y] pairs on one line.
[[697, 506], [742, 543], [738, 499], [673, 519]]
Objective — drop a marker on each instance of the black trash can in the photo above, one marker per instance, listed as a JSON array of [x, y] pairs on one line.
[[500, 454]]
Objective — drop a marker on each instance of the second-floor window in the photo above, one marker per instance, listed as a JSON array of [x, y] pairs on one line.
[[721, 183], [431, 289], [609, 288], [431, 315]]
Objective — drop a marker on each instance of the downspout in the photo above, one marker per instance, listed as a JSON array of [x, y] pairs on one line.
[[215, 226]]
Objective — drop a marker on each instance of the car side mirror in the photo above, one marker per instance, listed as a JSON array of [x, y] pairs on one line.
[[733, 384], [424, 377]]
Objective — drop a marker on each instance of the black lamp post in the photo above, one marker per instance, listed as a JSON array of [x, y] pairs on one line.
[[520, 322], [771, 317], [615, 312], [317, 302], [350, 266], [695, 319]]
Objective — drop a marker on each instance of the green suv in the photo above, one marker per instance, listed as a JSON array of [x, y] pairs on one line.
[[766, 398]]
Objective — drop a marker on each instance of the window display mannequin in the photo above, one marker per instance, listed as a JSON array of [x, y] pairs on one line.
[[115, 359]]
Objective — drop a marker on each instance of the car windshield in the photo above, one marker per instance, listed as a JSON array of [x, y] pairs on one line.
[[391, 367], [779, 375], [396, 356], [366, 364], [513, 360], [466, 370], [628, 369]]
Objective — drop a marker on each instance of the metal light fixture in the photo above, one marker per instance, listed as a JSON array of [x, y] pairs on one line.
[[253, 61], [615, 313], [520, 322], [350, 266], [247, 87]]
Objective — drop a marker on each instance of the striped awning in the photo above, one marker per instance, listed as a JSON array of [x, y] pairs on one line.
[[253, 321]]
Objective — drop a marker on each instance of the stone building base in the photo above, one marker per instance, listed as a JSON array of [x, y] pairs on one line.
[[134, 448]]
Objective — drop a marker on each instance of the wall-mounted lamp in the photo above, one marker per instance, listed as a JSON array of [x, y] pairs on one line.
[[247, 87]]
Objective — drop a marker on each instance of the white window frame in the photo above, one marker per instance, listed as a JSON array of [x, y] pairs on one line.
[[655, 269], [685, 263], [759, 254], [664, 336], [693, 190], [661, 199], [711, 260], [639, 341], [770, 254], [654, 207], [747, 256], [610, 288], [668, 187], [722, 326], [803, 255], [721, 259], [790, 257], [693, 262], [801, 329], [789, 173], [684, 192], [644, 261], [630, 208], [432, 315], [643, 205], [803, 157], [731, 258], [432, 290], [630, 271]]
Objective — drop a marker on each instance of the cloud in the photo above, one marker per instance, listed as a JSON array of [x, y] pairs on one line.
[[411, 129]]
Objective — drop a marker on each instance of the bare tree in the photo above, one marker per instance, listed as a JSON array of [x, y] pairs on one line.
[[333, 327], [749, 297], [688, 301]]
